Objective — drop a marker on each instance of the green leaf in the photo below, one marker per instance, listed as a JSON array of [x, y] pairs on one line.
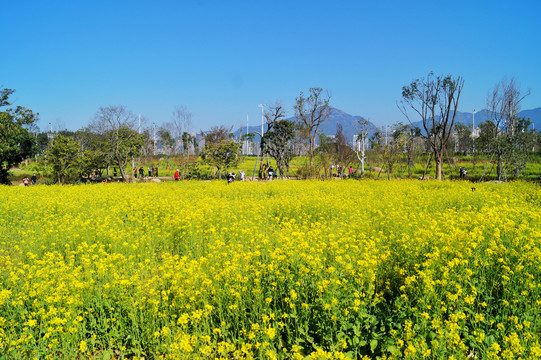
[[373, 345]]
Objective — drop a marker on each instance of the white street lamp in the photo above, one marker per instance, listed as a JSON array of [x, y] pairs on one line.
[[262, 121], [473, 131]]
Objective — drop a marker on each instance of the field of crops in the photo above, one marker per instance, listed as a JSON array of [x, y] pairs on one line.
[[279, 270]]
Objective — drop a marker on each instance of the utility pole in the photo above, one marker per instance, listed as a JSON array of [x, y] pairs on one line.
[[50, 136], [261, 142], [154, 139], [262, 121], [473, 132]]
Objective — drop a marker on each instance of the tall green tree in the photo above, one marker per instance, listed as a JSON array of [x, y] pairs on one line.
[[64, 156], [16, 141], [277, 144], [222, 155], [463, 138], [187, 142], [167, 140], [220, 151], [93, 155]]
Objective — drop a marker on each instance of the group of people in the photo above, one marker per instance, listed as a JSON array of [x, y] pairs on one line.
[[232, 176], [33, 179], [151, 172], [266, 172]]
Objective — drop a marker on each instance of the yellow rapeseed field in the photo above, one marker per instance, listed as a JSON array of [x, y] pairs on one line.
[[278, 270]]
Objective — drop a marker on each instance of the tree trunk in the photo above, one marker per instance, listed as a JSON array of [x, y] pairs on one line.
[[499, 167], [363, 155], [122, 171], [312, 145], [439, 165], [362, 162]]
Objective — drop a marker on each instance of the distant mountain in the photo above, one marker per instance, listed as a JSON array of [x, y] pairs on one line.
[[534, 115], [329, 127], [481, 116], [349, 122]]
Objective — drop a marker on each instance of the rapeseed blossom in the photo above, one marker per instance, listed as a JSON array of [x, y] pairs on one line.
[[296, 269]]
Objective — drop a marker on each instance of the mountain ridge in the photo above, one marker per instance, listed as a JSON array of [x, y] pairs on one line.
[[349, 122]]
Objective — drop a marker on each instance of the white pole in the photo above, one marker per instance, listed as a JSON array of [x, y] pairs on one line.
[[473, 131], [246, 140], [154, 139], [262, 121]]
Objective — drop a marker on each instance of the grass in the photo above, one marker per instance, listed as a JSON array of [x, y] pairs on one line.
[[478, 167]]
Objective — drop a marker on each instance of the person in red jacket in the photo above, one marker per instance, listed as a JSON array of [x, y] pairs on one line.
[[176, 175]]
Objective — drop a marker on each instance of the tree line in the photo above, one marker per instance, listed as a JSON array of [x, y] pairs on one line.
[[116, 136]]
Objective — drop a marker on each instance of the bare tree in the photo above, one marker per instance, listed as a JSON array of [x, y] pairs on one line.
[[503, 104], [216, 134], [311, 112], [343, 153], [274, 114], [363, 126], [117, 125], [434, 100], [182, 121], [392, 150]]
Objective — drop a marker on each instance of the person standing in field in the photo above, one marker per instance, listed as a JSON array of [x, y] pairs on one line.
[[149, 172], [135, 172], [142, 172], [176, 175], [241, 175], [34, 179], [25, 181]]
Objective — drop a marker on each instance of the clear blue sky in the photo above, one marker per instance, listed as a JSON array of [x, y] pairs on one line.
[[222, 58]]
